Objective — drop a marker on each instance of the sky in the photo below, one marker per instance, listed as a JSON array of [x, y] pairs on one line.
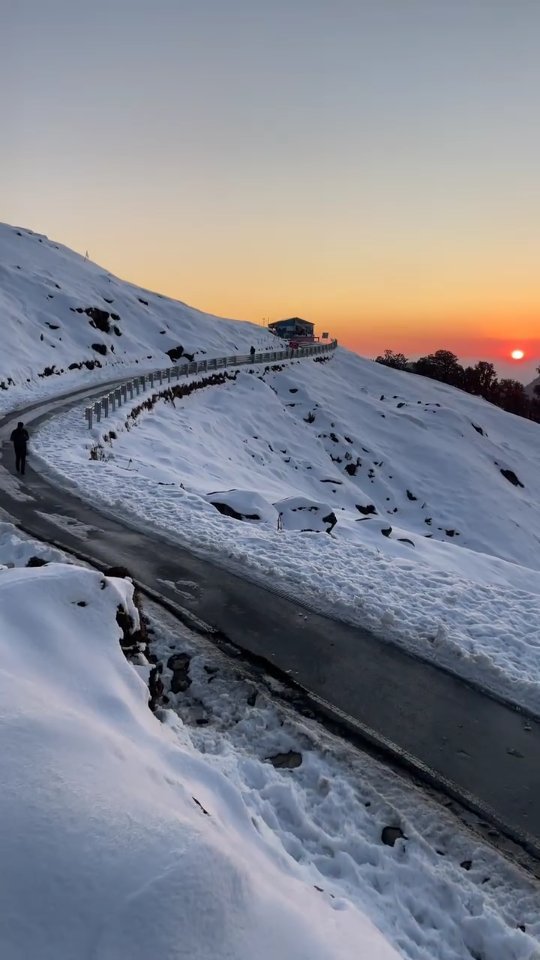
[[370, 165]]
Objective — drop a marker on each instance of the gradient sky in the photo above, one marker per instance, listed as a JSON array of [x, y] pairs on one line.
[[372, 166]]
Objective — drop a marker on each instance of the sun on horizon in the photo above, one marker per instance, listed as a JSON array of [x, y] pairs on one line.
[[517, 354]]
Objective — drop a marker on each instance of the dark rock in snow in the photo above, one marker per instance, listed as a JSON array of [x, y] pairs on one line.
[[36, 562], [369, 509], [332, 520], [228, 511], [175, 353], [511, 477], [99, 319], [286, 761], [389, 835], [179, 664]]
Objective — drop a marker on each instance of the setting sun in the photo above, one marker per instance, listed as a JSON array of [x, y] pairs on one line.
[[517, 354]]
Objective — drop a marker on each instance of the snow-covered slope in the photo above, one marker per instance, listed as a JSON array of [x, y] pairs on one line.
[[431, 496], [61, 311], [119, 841]]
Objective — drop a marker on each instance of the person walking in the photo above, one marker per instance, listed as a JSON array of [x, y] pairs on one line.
[[19, 439], [252, 352]]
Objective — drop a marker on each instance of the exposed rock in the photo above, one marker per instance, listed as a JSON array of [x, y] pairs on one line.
[[332, 520], [511, 477], [369, 509], [179, 664], [155, 687], [228, 511], [389, 835], [36, 562], [98, 319], [286, 761], [175, 353]]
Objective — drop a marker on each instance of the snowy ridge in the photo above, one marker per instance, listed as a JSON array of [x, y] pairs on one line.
[[63, 315]]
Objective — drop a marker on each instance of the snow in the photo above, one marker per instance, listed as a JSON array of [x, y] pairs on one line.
[[107, 851], [442, 893], [370, 494], [45, 289], [431, 545], [119, 839]]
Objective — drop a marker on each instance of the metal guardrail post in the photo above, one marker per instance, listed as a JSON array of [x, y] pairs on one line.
[[168, 374], [151, 379], [130, 388], [123, 393], [88, 414], [112, 401], [105, 405], [97, 411], [118, 393]]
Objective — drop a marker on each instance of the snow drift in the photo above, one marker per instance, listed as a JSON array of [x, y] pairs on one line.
[[118, 841]]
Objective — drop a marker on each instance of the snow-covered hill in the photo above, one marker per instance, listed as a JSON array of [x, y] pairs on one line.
[[119, 839], [431, 498], [62, 314]]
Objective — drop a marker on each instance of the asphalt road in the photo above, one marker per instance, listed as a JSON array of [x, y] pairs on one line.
[[478, 749]]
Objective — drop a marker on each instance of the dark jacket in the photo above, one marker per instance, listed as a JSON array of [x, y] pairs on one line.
[[20, 438]]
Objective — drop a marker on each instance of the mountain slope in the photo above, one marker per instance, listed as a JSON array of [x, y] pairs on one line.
[[431, 498], [61, 311]]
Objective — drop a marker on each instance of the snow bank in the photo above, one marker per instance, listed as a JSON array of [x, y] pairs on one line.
[[117, 841], [431, 545]]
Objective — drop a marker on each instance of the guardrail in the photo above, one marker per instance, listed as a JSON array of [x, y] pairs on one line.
[[115, 399]]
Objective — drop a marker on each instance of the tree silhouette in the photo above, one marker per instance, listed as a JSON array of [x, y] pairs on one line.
[[396, 360], [442, 365], [511, 396]]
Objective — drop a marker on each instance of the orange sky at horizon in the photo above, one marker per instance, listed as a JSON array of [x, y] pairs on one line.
[[369, 166]]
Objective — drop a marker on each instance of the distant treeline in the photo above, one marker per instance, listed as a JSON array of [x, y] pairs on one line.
[[480, 380]]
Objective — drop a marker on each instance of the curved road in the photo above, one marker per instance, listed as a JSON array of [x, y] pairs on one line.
[[481, 751]]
